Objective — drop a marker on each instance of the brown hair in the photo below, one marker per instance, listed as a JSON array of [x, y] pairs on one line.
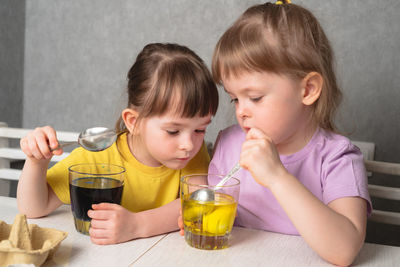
[[166, 76], [284, 39]]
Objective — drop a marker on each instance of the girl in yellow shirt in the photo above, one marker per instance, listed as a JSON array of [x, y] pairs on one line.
[[172, 98]]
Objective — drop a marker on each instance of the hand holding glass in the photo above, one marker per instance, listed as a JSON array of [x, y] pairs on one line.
[[93, 184]]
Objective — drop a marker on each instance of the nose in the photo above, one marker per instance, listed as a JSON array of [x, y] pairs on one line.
[[242, 111], [186, 142]]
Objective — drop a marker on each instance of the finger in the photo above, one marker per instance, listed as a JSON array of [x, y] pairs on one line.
[[33, 147], [43, 145], [182, 232], [51, 136], [58, 151], [250, 143], [102, 236], [255, 133], [180, 222], [105, 206], [99, 214], [99, 224], [250, 152], [253, 148], [24, 147], [100, 241], [244, 164], [98, 235]]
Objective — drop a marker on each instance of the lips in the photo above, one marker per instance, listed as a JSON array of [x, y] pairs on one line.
[[246, 129]]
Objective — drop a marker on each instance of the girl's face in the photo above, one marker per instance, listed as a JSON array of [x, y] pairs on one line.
[[271, 103], [169, 140]]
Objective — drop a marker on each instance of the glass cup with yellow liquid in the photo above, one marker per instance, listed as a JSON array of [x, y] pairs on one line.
[[208, 224], [91, 183]]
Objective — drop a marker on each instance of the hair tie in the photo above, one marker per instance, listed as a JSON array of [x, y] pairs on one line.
[[283, 2]]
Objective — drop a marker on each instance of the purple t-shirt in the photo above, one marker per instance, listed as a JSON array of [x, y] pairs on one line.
[[329, 166]]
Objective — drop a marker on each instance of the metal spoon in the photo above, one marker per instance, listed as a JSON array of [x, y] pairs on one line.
[[207, 194], [93, 139]]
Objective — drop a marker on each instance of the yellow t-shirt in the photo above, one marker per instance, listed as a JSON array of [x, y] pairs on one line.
[[144, 187]]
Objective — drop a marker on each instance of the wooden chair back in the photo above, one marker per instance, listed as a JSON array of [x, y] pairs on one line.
[[10, 154], [385, 192]]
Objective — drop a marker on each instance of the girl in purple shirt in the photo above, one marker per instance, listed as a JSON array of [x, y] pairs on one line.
[[299, 176]]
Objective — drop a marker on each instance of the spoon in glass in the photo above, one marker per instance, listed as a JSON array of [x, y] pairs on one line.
[[207, 194], [93, 139]]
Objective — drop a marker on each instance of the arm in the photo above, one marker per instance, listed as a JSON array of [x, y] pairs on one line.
[[35, 198], [111, 223], [160, 220], [336, 232]]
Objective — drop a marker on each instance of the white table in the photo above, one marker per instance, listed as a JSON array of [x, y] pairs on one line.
[[248, 248], [77, 249], [257, 248]]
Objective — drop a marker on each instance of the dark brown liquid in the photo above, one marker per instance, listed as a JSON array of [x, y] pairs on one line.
[[84, 193]]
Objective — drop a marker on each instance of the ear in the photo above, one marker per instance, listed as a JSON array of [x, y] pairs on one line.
[[312, 87], [130, 117]]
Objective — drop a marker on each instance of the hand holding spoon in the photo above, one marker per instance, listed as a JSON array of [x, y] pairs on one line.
[[93, 139]]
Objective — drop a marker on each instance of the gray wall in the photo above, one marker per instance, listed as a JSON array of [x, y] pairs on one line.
[[77, 54], [12, 31]]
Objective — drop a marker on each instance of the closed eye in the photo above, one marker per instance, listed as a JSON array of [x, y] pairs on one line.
[[256, 99], [172, 132], [200, 131]]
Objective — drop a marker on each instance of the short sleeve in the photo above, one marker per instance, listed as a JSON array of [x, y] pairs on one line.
[[58, 175], [345, 176], [58, 179]]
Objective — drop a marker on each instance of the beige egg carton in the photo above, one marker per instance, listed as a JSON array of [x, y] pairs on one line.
[[21, 243]]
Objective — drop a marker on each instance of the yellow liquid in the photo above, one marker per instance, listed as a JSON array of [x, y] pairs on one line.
[[208, 224], [82, 226]]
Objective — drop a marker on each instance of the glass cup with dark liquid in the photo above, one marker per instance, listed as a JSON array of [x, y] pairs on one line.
[[93, 184], [208, 224]]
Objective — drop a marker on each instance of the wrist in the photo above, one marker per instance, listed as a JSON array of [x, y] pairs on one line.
[[139, 225], [281, 182], [37, 168], [37, 162]]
